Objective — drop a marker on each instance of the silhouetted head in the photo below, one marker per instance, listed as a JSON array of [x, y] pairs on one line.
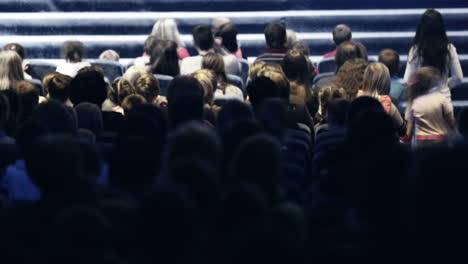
[[185, 100], [391, 59], [341, 33], [56, 117], [203, 37], [275, 35], [88, 86], [73, 51], [89, 117]]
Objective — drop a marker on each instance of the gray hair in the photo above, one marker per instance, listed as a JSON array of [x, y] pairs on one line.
[[110, 55], [166, 29]]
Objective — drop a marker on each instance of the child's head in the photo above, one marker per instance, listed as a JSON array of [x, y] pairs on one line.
[[391, 59], [424, 79]]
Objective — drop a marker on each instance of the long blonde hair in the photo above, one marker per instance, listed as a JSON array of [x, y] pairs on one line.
[[11, 69], [376, 80], [166, 29]]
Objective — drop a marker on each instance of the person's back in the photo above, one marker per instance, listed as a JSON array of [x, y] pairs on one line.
[[275, 37], [431, 47], [73, 52], [391, 59]]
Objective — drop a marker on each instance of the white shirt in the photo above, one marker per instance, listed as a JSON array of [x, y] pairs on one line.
[[231, 92], [71, 69], [456, 74], [192, 64]]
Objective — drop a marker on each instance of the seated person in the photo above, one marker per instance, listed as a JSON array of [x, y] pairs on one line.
[[224, 90], [341, 33], [203, 41], [391, 59], [73, 52], [275, 37], [57, 87]]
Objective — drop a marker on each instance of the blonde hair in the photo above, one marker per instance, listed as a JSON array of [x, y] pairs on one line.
[[376, 80], [119, 90], [133, 73], [11, 69], [166, 29], [147, 86], [207, 79], [327, 94], [278, 77], [255, 68], [215, 63]]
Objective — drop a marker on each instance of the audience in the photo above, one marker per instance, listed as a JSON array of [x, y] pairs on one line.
[[120, 174], [73, 52], [203, 41], [110, 55], [22, 53]]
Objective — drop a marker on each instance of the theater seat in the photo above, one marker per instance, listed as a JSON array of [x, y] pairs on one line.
[[164, 81], [112, 69], [244, 71], [327, 65], [236, 81], [39, 69]]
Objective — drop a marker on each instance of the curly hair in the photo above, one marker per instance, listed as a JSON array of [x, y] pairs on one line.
[[119, 90], [73, 51], [147, 86], [350, 77]]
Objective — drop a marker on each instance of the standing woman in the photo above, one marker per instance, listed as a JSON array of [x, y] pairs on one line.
[[166, 29], [431, 47]]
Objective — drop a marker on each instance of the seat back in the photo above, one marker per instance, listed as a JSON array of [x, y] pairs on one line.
[[327, 65], [244, 71], [236, 81], [39, 69], [322, 75], [164, 81], [112, 69]]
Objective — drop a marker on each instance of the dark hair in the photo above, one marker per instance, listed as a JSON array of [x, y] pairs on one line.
[[57, 85], [232, 112], [28, 96], [346, 51], [55, 163], [262, 88], [272, 114], [73, 51], [361, 104], [89, 117], [257, 161], [56, 117], [391, 59], [203, 37], [371, 128], [275, 35], [296, 67], [131, 101], [341, 33], [185, 100], [16, 48], [424, 79], [150, 43], [431, 42], [228, 32], [336, 111], [4, 110], [88, 86], [164, 58]]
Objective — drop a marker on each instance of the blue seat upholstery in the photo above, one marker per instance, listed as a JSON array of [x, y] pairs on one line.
[[322, 75], [327, 65], [112, 69], [236, 81], [164, 81], [244, 71], [39, 69]]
